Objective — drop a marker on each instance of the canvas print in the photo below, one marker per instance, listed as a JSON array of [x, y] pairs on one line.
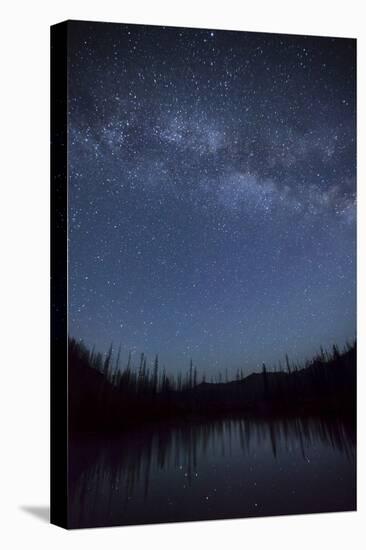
[[210, 219]]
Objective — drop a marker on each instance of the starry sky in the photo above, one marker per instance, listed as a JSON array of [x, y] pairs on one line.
[[212, 194]]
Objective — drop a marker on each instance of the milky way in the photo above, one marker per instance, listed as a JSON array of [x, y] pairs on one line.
[[212, 181]]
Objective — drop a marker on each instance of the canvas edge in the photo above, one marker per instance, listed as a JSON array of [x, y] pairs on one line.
[[58, 269]]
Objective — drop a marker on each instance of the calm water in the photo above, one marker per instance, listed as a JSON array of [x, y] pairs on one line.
[[222, 469]]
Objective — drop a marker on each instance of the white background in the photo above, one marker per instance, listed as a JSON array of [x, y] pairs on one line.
[[24, 272]]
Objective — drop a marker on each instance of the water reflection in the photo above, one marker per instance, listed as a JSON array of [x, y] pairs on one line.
[[224, 468]]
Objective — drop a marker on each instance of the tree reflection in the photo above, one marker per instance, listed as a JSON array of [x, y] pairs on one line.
[[105, 474]]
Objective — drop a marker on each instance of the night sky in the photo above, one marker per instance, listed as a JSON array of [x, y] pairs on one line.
[[212, 181]]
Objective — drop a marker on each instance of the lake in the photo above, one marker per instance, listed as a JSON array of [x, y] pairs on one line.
[[232, 468]]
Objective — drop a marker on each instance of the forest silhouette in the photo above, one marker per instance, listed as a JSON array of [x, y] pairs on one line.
[[106, 395]]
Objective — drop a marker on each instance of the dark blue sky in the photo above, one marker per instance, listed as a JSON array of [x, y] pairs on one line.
[[212, 181]]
